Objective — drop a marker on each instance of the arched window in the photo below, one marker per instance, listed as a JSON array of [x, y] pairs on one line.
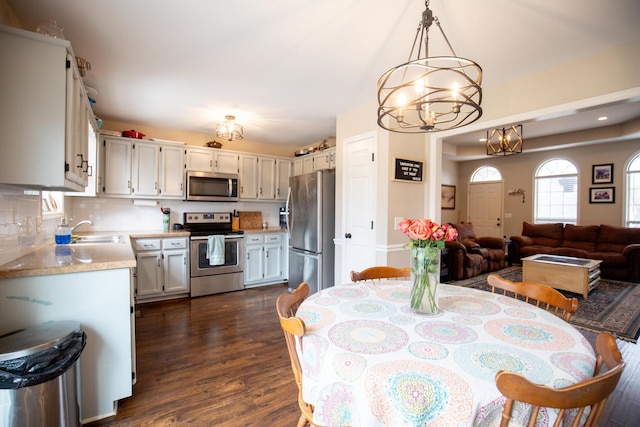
[[556, 192], [486, 173], [632, 199]]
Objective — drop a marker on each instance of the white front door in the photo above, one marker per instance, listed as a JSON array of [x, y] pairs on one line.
[[485, 207], [359, 206]]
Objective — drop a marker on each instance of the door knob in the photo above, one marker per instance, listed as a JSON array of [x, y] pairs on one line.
[[347, 235]]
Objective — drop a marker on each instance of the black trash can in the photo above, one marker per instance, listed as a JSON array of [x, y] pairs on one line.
[[39, 375]]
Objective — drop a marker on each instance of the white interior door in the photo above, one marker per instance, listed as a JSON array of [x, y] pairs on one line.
[[485, 207], [360, 196]]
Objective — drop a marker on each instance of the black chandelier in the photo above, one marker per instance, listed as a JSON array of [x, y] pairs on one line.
[[505, 141], [429, 93]]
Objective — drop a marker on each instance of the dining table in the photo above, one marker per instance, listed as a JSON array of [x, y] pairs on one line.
[[368, 360]]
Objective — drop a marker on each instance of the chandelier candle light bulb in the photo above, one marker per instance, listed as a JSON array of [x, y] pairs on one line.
[[427, 239]]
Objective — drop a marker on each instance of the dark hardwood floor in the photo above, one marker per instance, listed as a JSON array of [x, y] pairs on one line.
[[221, 361]]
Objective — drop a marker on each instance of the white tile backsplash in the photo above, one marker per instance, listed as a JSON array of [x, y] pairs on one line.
[[23, 228], [110, 214]]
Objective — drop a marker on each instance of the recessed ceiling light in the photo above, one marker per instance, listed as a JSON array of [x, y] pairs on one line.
[[602, 118]]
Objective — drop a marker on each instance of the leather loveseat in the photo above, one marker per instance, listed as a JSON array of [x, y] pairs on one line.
[[470, 255], [617, 247]]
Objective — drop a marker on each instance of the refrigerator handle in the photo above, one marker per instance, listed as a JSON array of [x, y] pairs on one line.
[[289, 216]]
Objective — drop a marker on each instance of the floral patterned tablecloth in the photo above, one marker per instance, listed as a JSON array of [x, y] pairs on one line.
[[368, 361]]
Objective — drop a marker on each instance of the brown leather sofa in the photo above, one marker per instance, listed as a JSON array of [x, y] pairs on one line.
[[470, 255], [617, 247]]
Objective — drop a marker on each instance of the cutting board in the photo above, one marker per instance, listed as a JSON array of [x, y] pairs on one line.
[[250, 219]]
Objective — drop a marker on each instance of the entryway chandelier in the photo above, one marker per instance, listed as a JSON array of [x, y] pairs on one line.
[[429, 93], [505, 141], [229, 129]]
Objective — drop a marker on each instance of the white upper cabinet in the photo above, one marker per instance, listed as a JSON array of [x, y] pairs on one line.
[[117, 170], [298, 167], [266, 181], [248, 176], [142, 168], [93, 165], [77, 129], [307, 164], [264, 178], [204, 159], [199, 159], [321, 160], [45, 131], [283, 172], [325, 159], [172, 171], [225, 162]]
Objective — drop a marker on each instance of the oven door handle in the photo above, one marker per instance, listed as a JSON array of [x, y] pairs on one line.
[[206, 237]]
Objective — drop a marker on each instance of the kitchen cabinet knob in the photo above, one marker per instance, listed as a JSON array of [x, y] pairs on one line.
[[347, 235]]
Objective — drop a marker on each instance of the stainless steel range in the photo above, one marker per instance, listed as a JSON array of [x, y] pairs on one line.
[[209, 279]]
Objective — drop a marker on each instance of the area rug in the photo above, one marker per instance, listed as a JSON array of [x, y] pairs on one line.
[[613, 306]]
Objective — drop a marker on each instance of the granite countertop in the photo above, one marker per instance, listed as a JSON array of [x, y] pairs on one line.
[[73, 258], [81, 257]]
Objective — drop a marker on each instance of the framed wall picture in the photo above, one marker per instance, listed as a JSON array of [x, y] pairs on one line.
[[602, 195], [602, 174], [448, 197]]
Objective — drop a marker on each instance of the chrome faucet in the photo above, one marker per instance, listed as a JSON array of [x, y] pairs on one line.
[[86, 221]]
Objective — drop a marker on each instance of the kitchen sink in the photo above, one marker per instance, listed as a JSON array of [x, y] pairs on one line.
[[100, 239]]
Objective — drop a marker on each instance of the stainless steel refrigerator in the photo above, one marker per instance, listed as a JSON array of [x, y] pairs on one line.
[[311, 223]]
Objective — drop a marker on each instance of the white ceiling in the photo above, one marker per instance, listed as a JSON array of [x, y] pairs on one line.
[[287, 68]]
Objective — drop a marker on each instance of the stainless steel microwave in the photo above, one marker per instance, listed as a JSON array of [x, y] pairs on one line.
[[211, 187]]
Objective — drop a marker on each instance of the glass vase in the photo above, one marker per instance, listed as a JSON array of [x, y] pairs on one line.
[[425, 278]]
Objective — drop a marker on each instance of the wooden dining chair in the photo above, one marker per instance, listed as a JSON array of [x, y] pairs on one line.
[[293, 328], [542, 296], [591, 393], [380, 272]]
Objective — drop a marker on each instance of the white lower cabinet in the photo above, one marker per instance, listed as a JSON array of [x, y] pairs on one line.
[[162, 270], [101, 302], [265, 259]]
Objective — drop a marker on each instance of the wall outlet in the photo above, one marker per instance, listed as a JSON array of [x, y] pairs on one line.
[[396, 222]]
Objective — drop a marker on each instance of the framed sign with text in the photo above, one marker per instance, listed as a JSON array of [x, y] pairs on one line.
[[408, 170]]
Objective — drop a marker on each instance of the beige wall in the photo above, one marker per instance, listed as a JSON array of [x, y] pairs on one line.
[[605, 72], [518, 172]]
